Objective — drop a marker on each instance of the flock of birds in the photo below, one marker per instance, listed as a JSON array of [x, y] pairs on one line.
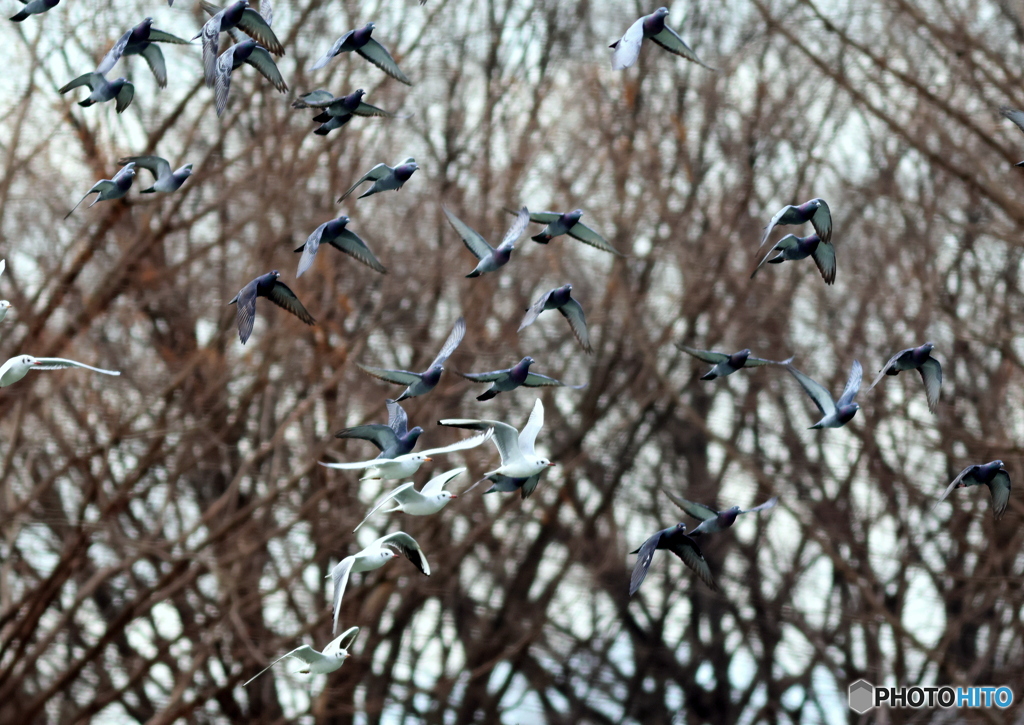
[[521, 467]]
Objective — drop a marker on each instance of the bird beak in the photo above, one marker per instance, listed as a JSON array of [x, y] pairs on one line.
[[551, 464], [428, 459], [454, 496]]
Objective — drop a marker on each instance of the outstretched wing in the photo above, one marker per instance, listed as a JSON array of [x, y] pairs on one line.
[[825, 258], [789, 241], [462, 445], [821, 220], [114, 54], [516, 230], [627, 50], [708, 356], [1000, 487], [536, 380], [852, 384], [815, 390], [473, 241], [340, 574], [125, 96], [262, 61], [256, 26], [888, 366], [770, 503], [304, 653], [245, 315], [931, 374], [391, 496], [332, 52], [686, 549], [310, 248], [409, 548], [435, 485], [343, 640], [488, 377], [453, 341], [58, 363], [506, 438], [350, 243], [380, 57], [283, 297], [380, 435], [696, 510], [223, 78], [533, 312], [156, 165], [87, 79], [969, 471], [775, 220], [583, 233], [398, 420], [1014, 115], [572, 311], [398, 377], [377, 172], [528, 438], [670, 41], [645, 554]]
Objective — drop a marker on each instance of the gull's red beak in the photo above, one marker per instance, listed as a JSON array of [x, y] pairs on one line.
[[454, 496], [428, 459], [551, 464]]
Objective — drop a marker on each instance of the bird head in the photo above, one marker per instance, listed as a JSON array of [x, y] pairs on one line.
[[527, 361], [996, 464], [186, 170], [387, 553], [661, 12], [370, 26], [275, 274], [446, 496], [5, 305], [928, 346], [573, 216]]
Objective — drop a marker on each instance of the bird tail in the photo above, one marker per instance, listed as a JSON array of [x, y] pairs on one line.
[[19, 17], [709, 376], [474, 273], [541, 238], [616, 45], [322, 131], [487, 395], [86, 103], [322, 117], [150, 190]]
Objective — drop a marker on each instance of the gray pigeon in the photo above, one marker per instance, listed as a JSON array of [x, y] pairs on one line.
[[815, 211], [385, 178], [245, 52], [712, 521], [792, 248], [108, 189], [990, 474], [141, 40], [627, 48], [491, 258], [337, 111], [35, 7], [672, 539], [502, 381], [394, 439], [920, 359], [726, 364], [561, 299], [236, 15], [421, 383], [166, 180], [1011, 113], [103, 90], [567, 223], [361, 42], [269, 286], [836, 413], [337, 234]]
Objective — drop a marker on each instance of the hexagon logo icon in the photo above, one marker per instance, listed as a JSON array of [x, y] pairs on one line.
[[862, 696]]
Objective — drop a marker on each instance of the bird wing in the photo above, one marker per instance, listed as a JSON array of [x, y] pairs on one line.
[[309, 249], [339, 643], [435, 485], [516, 230], [256, 26], [505, 436], [572, 311], [315, 99], [125, 96], [627, 50], [787, 242], [304, 653], [670, 41], [473, 241], [409, 548], [538, 217], [453, 341], [708, 356], [161, 36], [696, 510], [334, 51], [815, 390], [59, 363], [969, 471], [245, 315], [340, 574], [931, 374], [757, 362], [490, 377], [583, 233], [86, 79], [156, 165], [536, 380], [349, 243], [770, 503], [775, 220], [533, 312], [380, 435], [852, 384], [114, 54], [1014, 115], [398, 419], [222, 85], [821, 220], [367, 110], [528, 438], [885, 368], [380, 57], [211, 49], [825, 257], [686, 549], [1000, 487], [377, 172], [462, 445], [398, 377], [262, 61], [284, 298], [645, 554], [394, 494]]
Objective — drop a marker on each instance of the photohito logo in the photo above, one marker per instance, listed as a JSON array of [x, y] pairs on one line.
[[864, 696]]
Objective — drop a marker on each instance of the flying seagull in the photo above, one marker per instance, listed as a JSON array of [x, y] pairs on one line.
[[385, 178], [726, 364], [502, 381], [421, 383], [103, 90], [107, 189], [245, 52], [165, 180], [990, 474], [1011, 113], [4, 304], [814, 211], [491, 258], [431, 499], [337, 111], [319, 663], [394, 439], [266, 285], [406, 465], [17, 367], [373, 557], [838, 413], [673, 539], [361, 42], [35, 7], [337, 234], [567, 223], [561, 299], [627, 48], [236, 15], [792, 248], [142, 40], [712, 521], [920, 359]]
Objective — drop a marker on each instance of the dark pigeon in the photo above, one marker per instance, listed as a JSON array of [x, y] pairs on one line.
[[815, 211], [360, 42], [990, 474], [792, 248], [627, 48], [726, 364], [103, 90], [141, 40], [337, 111], [269, 286], [236, 15], [672, 539], [35, 7], [712, 521], [245, 52], [502, 381], [835, 413], [561, 299], [920, 359], [165, 180], [109, 188], [384, 178], [338, 235], [491, 258], [394, 439], [567, 223], [421, 383]]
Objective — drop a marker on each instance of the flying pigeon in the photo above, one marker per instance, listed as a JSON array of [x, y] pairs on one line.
[[385, 178], [236, 15], [990, 474], [673, 539], [336, 112], [561, 299], [35, 7], [567, 223], [142, 40], [165, 180], [373, 557], [341, 238], [361, 42], [108, 189], [431, 499], [502, 381], [394, 439], [245, 52], [712, 521], [836, 414], [17, 367], [1011, 113], [266, 285], [726, 364], [319, 663], [627, 48], [421, 383], [814, 211], [490, 258], [519, 461], [920, 359], [792, 248], [4, 304], [406, 465], [103, 90]]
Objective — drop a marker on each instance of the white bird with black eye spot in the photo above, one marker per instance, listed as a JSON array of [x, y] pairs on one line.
[[429, 500], [17, 367], [319, 663]]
